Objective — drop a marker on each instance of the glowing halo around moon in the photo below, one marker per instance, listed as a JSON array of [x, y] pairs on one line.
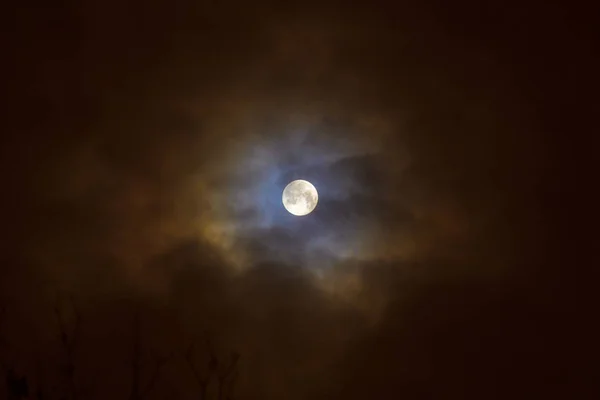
[[300, 197]]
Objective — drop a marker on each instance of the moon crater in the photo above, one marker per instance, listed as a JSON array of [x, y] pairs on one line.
[[300, 197]]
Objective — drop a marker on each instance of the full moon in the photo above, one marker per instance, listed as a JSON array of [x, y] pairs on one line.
[[300, 197]]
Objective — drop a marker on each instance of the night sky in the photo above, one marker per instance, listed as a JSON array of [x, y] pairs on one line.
[[145, 147]]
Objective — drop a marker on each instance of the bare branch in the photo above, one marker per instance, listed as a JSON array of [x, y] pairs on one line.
[[232, 384], [39, 379], [135, 358], [225, 375], [68, 340], [160, 362], [17, 386], [227, 378], [61, 325], [3, 362], [137, 393], [189, 359], [202, 381], [235, 357], [213, 363], [75, 333]]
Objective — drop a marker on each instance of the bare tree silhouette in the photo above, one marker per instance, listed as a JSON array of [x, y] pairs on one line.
[[216, 379], [69, 336], [225, 375], [139, 392], [39, 380], [17, 387], [2, 338], [202, 379]]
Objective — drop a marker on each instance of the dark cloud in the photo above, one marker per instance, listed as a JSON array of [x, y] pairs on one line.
[[145, 151]]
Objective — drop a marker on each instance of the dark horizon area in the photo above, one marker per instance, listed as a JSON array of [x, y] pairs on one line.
[[146, 250]]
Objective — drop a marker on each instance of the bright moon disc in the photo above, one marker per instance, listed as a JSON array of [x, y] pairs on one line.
[[300, 197]]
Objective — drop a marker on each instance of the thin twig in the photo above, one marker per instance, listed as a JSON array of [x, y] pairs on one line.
[[229, 371], [135, 358], [3, 362], [160, 362], [202, 382], [137, 393], [75, 333], [69, 341], [232, 384]]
